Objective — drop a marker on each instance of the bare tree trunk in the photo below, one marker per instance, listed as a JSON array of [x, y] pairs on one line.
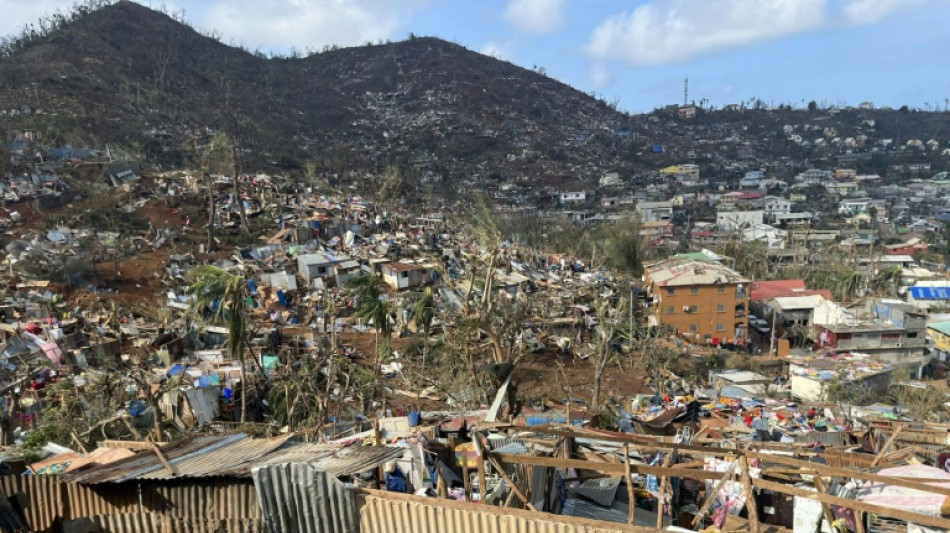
[[211, 245], [600, 369], [237, 191], [243, 387]]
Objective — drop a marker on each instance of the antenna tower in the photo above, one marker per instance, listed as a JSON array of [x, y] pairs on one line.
[[685, 92]]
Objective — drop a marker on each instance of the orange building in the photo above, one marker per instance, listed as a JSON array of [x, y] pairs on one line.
[[706, 302]]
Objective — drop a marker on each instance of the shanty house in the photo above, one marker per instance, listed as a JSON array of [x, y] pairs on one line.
[[401, 275], [312, 266]]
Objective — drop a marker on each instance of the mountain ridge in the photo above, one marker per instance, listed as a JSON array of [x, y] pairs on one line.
[[128, 75]]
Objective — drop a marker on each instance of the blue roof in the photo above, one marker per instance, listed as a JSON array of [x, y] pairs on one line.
[[930, 293]]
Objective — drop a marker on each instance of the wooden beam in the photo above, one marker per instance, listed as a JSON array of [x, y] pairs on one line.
[[130, 444], [613, 469], [859, 521], [631, 495], [659, 500], [825, 508], [848, 473], [128, 424], [480, 464], [161, 457], [714, 492], [887, 445], [78, 442], [504, 475], [858, 506], [750, 503], [466, 479], [638, 442]]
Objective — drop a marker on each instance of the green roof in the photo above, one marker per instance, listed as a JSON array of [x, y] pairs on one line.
[[942, 327]]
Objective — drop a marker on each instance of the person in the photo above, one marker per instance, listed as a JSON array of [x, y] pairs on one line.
[[761, 427]]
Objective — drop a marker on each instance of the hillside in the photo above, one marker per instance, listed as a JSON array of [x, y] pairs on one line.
[[128, 76]]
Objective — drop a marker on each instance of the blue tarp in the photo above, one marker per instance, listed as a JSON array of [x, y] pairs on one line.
[[930, 293]]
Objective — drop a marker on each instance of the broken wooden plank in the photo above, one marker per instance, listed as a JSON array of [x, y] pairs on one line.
[[714, 492], [504, 475], [161, 457]]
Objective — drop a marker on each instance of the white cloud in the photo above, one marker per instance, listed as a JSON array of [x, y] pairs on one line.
[[862, 12], [536, 17], [281, 24], [498, 50], [17, 13], [661, 32], [598, 77]]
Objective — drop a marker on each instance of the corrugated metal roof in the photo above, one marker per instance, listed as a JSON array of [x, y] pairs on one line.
[[159, 523], [400, 513], [336, 461], [602, 491], [145, 462], [9, 519], [300, 497], [235, 456]]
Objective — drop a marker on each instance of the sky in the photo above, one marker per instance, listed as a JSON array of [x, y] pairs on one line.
[[636, 53]]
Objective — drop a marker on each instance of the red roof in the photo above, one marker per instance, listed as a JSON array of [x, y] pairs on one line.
[[763, 290], [750, 196]]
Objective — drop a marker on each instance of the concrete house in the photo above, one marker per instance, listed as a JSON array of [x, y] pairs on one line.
[[734, 220], [401, 275], [705, 301], [655, 211], [313, 266]]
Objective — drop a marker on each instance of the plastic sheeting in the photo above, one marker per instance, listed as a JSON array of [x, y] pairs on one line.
[[906, 499], [299, 497]]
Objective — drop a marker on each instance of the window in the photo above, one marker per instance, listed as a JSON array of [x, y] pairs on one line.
[[404, 274], [670, 291], [721, 289], [670, 309], [912, 335], [720, 327], [708, 337], [694, 328], [321, 270], [694, 290], [720, 308]]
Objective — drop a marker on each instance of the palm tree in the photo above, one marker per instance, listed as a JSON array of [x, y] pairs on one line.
[[369, 307], [226, 293], [422, 313], [848, 284], [887, 281]]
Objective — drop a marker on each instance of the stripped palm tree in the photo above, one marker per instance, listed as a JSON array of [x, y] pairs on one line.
[[422, 313], [369, 307], [226, 295], [848, 284], [887, 281]]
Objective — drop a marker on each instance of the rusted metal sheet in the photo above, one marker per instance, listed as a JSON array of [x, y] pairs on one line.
[[207, 498], [299, 497], [158, 523], [382, 512], [92, 500], [39, 498], [145, 462], [234, 456], [338, 462]]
